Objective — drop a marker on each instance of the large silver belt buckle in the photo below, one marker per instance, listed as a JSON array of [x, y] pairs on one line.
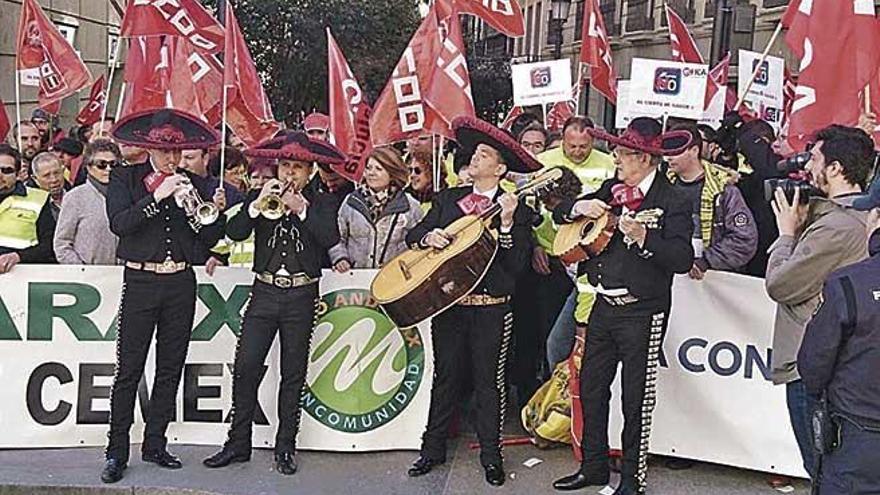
[[283, 282], [167, 266]]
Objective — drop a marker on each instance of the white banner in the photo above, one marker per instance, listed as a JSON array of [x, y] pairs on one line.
[[714, 114], [541, 82], [29, 77], [369, 382], [765, 96], [664, 87], [622, 115]]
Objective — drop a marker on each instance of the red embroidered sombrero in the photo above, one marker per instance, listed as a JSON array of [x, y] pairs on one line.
[[165, 129], [296, 145], [316, 121], [645, 134], [471, 131]]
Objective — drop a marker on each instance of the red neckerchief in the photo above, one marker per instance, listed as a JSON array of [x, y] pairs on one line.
[[154, 179], [630, 197], [474, 204]]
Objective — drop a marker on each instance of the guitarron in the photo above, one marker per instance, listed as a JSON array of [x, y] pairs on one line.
[[420, 283]]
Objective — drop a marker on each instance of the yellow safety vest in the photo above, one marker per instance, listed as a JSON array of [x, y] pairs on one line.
[[241, 254], [18, 219], [597, 168]]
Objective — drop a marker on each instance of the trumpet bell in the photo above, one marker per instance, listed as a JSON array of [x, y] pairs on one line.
[[207, 213], [271, 207]]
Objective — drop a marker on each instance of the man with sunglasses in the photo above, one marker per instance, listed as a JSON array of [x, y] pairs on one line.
[[26, 222], [83, 236]]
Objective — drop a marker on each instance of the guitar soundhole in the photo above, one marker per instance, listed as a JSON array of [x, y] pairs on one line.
[[587, 228]]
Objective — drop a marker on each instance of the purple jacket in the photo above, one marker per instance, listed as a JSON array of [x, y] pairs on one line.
[[734, 233]]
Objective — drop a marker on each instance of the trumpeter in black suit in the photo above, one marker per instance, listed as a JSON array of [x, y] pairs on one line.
[[632, 278], [158, 242], [284, 295]]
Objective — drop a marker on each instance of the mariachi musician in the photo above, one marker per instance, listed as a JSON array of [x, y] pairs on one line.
[[474, 335], [164, 228], [632, 279], [293, 228]]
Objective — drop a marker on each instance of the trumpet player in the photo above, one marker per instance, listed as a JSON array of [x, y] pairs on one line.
[[293, 229], [163, 228]]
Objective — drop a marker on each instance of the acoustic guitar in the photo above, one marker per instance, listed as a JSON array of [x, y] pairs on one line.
[[587, 238], [421, 283]]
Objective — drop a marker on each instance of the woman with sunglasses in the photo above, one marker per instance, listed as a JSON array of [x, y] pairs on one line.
[[83, 236], [375, 218]]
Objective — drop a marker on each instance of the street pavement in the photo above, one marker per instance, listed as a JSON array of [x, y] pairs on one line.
[[44, 471]]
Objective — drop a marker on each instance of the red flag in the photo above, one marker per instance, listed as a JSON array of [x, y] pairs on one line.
[[562, 111], [504, 15], [145, 78], [248, 112], [428, 88], [4, 122], [717, 79], [511, 116], [184, 18], [684, 48], [349, 126], [789, 86], [42, 47], [836, 63], [91, 112], [596, 51]]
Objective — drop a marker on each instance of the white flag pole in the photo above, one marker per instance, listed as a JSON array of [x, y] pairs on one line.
[[223, 139], [18, 108], [751, 81], [110, 85]]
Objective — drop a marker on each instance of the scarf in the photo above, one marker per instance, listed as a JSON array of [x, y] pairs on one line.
[[102, 188], [714, 180], [376, 200]]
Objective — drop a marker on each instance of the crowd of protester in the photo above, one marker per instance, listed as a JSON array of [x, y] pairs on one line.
[[58, 181]]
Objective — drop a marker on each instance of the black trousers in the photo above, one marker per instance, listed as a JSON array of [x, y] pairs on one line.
[[473, 340], [166, 304], [852, 467], [290, 312], [631, 335]]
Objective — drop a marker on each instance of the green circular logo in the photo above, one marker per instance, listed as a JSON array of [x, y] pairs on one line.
[[363, 370]]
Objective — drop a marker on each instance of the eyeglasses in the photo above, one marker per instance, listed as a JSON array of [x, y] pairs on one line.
[[7, 170], [620, 153], [415, 170], [104, 164]]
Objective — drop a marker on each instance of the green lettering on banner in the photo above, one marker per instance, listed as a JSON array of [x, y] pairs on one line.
[[7, 326], [220, 311], [42, 310]]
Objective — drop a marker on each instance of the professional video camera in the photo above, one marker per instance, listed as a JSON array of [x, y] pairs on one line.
[[798, 179]]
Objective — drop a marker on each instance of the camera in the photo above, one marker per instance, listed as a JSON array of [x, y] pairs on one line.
[[794, 163], [789, 186]]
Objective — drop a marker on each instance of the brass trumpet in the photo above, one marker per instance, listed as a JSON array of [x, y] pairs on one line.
[[271, 206], [188, 198]]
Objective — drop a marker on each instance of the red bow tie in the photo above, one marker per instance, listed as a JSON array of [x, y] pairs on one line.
[[627, 196], [154, 179], [474, 204]]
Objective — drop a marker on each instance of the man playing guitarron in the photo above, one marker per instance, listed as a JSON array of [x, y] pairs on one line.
[[632, 279], [474, 335]]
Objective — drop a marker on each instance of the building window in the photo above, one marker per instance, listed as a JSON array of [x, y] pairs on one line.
[[638, 15], [609, 14], [774, 3], [684, 9], [579, 20], [709, 11]]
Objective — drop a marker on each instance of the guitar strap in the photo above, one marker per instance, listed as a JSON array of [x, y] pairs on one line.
[[388, 239]]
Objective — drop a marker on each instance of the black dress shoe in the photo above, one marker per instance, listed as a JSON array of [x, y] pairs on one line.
[[422, 466], [494, 474], [162, 458], [285, 463], [579, 480], [113, 471], [225, 457]]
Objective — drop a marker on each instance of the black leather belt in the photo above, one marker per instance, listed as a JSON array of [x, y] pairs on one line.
[[286, 282], [620, 300]]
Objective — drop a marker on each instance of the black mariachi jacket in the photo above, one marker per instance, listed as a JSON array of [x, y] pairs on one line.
[[317, 233], [514, 248], [645, 272], [143, 226]]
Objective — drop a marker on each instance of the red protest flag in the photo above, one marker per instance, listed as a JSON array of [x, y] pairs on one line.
[[596, 52], [562, 110], [184, 18], [248, 112], [145, 75], [504, 15], [717, 79], [346, 97], [91, 112], [41, 46], [511, 116], [836, 64], [4, 122], [403, 109], [449, 88], [684, 48]]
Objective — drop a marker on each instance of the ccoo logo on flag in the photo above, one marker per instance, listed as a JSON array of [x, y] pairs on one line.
[[540, 77], [762, 78], [667, 81]]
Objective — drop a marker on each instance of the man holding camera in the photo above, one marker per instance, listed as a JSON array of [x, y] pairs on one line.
[[839, 359], [817, 234]]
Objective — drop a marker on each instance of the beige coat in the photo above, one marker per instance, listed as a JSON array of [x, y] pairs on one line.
[[835, 236]]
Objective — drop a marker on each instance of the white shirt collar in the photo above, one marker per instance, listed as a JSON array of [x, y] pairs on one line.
[[488, 194], [645, 184]]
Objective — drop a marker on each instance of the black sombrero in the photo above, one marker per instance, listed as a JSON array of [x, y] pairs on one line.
[[165, 129], [471, 131]]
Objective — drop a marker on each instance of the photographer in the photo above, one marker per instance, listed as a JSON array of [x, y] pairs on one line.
[[815, 237], [839, 359]]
